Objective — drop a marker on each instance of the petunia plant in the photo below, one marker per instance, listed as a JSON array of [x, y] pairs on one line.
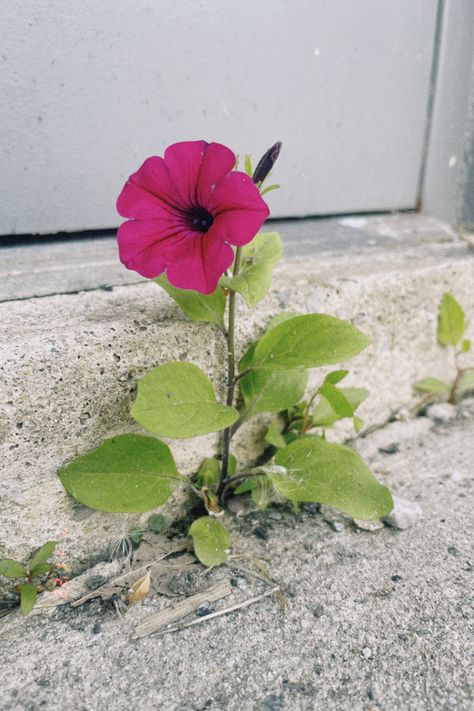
[[193, 222]]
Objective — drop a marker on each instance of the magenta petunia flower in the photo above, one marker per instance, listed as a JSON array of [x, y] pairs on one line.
[[186, 210]]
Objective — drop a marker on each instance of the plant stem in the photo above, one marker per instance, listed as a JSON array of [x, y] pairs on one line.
[[230, 375], [459, 373]]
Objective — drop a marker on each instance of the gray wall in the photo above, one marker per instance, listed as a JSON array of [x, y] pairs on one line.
[[448, 189], [91, 88]]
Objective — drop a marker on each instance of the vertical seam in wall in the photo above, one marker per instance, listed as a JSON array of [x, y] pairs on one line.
[[438, 32]]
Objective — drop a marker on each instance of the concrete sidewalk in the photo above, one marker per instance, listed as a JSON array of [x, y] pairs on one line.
[[380, 620]]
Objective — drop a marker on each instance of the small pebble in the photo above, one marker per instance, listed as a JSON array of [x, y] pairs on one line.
[[391, 448], [375, 525], [441, 412], [205, 609], [404, 513], [453, 550], [275, 515], [261, 533], [396, 578], [367, 652]]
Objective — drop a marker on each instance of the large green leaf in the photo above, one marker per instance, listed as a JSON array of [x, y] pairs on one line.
[[211, 540], [11, 569], [273, 391], [177, 400], [199, 307], [128, 473], [28, 595], [332, 474], [451, 323], [307, 342], [43, 554], [431, 385], [259, 257]]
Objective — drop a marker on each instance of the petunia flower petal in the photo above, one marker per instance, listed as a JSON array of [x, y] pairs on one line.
[[183, 161], [136, 202], [217, 162], [146, 246], [239, 210], [199, 262]]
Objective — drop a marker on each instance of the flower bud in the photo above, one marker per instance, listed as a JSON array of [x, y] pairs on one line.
[[266, 163]]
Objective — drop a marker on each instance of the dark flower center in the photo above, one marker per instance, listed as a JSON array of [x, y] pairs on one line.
[[200, 218]]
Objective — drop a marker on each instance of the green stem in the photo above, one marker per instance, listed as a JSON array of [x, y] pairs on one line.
[[227, 436]]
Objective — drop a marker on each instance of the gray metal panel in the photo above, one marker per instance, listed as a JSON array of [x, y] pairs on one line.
[[448, 190], [90, 89]]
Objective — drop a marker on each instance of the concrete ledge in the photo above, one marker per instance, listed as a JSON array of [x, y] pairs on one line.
[[69, 362]]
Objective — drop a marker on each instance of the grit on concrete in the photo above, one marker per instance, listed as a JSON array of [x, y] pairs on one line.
[[374, 620]]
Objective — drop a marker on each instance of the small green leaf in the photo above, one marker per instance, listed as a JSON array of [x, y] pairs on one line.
[[135, 535], [431, 385], [262, 489], [273, 391], [28, 595], [41, 569], [307, 342], [335, 376], [274, 437], [315, 470], [211, 540], [126, 474], [325, 416], [358, 423], [244, 487], [248, 165], [177, 400], [275, 186], [466, 345], [255, 276], [467, 381], [43, 554], [11, 569], [209, 473], [451, 323], [157, 523], [338, 401], [200, 307]]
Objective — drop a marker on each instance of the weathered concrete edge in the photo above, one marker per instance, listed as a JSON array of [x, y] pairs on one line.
[[70, 365]]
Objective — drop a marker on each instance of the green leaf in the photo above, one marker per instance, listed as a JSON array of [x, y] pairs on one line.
[[274, 437], [28, 595], [11, 569], [315, 470], [466, 345], [177, 400], [126, 474], [211, 540], [244, 487], [209, 473], [358, 423], [41, 569], [200, 307], [307, 342], [255, 276], [338, 401], [248, 165], [451, 323], [157, 523], [262, 489], [273, 391], [431, 385], [335, 376], [275, 186], [42, 554], [325, 416], [467, 381]]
